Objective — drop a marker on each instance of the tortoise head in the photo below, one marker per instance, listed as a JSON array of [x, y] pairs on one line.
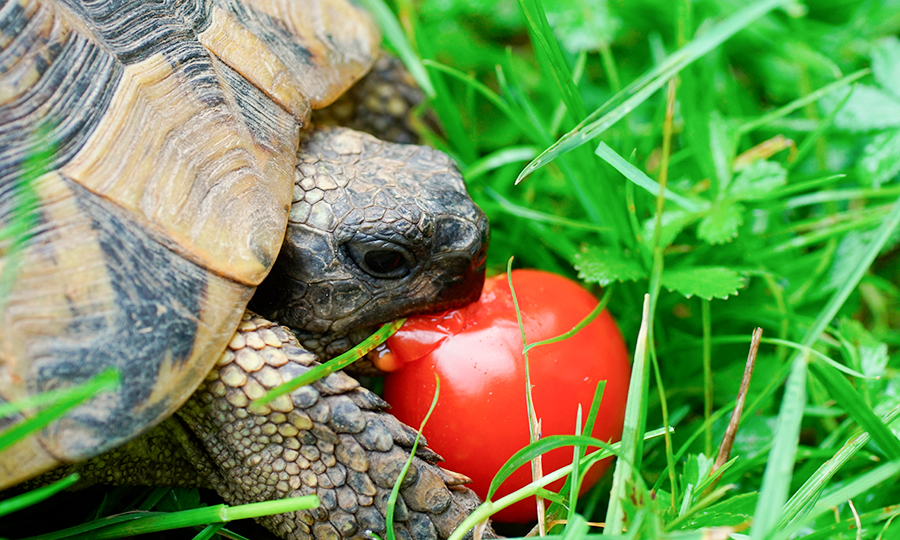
[[376, 231]]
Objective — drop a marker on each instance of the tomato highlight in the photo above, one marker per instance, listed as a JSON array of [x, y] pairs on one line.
[[481, 416]]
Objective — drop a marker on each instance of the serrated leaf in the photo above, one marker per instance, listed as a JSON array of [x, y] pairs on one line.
[[873, 354], [731, 512], [868, 108], [758, 180], [846, 257], [672, 221], [722, 142], [886, 64], [706, 282], [721, 225], [696, 468], [881, 158], [604, 266], [583, 25]]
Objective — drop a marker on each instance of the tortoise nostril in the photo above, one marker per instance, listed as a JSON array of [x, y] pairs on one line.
[[481, 257]]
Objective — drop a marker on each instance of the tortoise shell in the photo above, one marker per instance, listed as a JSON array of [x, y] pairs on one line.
[[147, 155]]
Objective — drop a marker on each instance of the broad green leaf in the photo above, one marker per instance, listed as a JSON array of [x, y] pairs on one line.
[[604, 266], [705, 282], [758, 180], [869, 108], [851, 247], [672, 222], [880, 161], [722, 144], [696, 468], [728, 513], [886, 64], [873, 353], [583, 25], [721, 224]]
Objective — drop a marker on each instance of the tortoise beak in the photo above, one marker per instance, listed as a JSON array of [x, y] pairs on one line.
[[463, 265]]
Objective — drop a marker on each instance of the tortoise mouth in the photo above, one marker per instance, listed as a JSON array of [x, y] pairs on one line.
[[464, 291]]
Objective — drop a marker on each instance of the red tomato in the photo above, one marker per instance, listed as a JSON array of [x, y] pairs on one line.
[[481, 419]]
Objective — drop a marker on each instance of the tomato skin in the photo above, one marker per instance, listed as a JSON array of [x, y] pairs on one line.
[[481, 419]]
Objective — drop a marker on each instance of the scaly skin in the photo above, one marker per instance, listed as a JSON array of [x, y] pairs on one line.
[[382, 103], [332, 438]]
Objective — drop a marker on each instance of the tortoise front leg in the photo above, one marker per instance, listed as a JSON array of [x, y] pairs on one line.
[[331, 439]]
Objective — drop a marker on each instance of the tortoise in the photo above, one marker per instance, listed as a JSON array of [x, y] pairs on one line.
[[152, 150]]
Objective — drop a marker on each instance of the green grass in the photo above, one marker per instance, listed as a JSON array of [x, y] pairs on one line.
[[737, 164], [734, 163]]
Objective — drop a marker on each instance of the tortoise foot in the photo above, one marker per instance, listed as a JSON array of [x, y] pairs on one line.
[[331, 439]]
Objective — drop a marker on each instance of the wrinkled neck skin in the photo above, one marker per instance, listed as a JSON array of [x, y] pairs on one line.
[[377, 231]]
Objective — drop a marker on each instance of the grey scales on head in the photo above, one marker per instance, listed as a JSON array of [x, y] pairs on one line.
[[152, 150]]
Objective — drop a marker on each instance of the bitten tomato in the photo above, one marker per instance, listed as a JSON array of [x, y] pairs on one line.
[[481, 419]]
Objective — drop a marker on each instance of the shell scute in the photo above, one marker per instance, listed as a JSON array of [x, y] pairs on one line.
[[145, 184]]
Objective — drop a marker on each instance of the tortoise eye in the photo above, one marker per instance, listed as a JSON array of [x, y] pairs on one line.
[[384, 260]]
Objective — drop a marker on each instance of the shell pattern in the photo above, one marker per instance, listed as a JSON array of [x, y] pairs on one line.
[[147, 154]]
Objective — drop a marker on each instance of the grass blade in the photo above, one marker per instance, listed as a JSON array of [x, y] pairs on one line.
[[636, 93], [490, 507], [35, 496], [639, 178], [533, 215], [146, 522], [547, 48], [542, 446], [57, 405], [797, 104], [500, 158], [631, 432], [883, 234], [842, 494], [780, 465], [854, 405], [805, 496], [335, 364], [395, 491], [387, 21]]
